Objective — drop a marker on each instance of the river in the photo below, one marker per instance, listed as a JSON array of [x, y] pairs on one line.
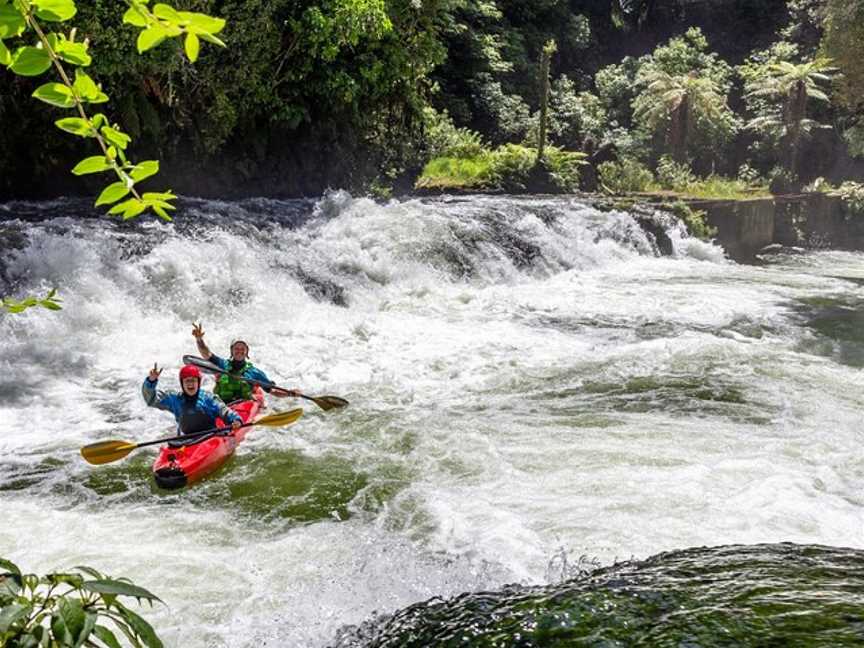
[[535, 393]]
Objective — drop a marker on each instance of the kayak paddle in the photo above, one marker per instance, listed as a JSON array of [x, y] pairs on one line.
[[107, 451], [324, 402]]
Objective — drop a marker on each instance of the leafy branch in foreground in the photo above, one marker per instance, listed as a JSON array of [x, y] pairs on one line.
[[70, 609], [50, 301], [57, 49], [20, 17]]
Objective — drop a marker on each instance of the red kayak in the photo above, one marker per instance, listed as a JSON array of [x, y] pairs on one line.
[[184, 462]]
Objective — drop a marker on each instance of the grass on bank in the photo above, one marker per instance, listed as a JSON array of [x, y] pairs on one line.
[[511, 168], [627, 176], [456, 173], [714, 187]]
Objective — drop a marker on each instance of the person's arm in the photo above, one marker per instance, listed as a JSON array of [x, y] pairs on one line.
[[198, 334], [224, 412], [152, 396]]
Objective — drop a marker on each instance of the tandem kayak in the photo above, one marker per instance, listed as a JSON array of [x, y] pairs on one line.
[[184, 462]]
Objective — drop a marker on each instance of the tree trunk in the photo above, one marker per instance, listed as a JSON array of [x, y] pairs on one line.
[[679, 128], [545, 60]]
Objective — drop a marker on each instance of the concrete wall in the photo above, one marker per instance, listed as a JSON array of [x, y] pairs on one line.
[[813, 221], [743, 226]]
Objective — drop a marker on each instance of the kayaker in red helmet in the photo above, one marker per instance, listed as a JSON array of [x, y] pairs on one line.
[[194, 409], [228, 386]]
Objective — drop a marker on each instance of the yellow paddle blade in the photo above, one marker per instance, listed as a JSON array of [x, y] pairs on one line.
[[329, 402], [106, 451], [278, 419]]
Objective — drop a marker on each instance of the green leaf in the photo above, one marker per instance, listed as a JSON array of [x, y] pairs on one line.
[[129, 208], [9, 566], [106, 637], [98, 120], [166, 12], [162, 204], [68, 620], [76, 126], [140, 627], [74, 53], [10, 584], [152, 195], [134, 17], [192, 46], [144, 170], [120, 588], [75, 580], [9, 614], [150, 38], [87, 89], [30, 61], [211, 39], [84, 85], [5, 54], [94, 164], [203, 22], [111, 194], [54, 10], [117, 138], [55, 94], [12, 23], [161, 213], [84, 568], [89, 625]]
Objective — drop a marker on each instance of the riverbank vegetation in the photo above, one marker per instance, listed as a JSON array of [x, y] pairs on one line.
[[81, 607], [745, 96]]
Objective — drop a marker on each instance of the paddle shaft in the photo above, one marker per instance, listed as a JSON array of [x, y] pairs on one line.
[[212, 368], [324, 402], [193, 435]]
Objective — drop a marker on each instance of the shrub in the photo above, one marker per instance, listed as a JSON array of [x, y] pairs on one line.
[[624, 176], [750, 176], [781, 181], [854, 137], [443, 139], [674, 175], [694, 220], [563, 168], [512, 165], [819, 185], [852, 194], [69, 609]]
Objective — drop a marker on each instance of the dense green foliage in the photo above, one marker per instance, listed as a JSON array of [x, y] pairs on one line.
[[38, 49], [322, 93], [23, 21], [71, 609]]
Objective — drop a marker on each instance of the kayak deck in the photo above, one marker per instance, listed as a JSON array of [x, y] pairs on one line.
[[182, 463]]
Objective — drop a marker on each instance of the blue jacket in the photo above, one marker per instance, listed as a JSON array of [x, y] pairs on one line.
[[206, 406], [252, 373]]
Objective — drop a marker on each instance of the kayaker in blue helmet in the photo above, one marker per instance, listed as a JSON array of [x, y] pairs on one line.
[[229, 387], [194, 409]]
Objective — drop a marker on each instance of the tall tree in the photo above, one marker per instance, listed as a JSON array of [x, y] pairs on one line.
[[844, 43], [790, 87], [677, 105]]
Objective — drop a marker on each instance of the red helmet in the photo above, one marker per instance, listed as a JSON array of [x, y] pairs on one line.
[[190, 371]]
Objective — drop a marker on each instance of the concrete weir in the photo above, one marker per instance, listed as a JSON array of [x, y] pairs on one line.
[[812, 220]]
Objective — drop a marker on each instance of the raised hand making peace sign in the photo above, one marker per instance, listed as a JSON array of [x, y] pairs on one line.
[[154, 373]]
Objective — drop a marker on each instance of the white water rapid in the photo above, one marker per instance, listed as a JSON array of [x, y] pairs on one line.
[[530, 382]]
